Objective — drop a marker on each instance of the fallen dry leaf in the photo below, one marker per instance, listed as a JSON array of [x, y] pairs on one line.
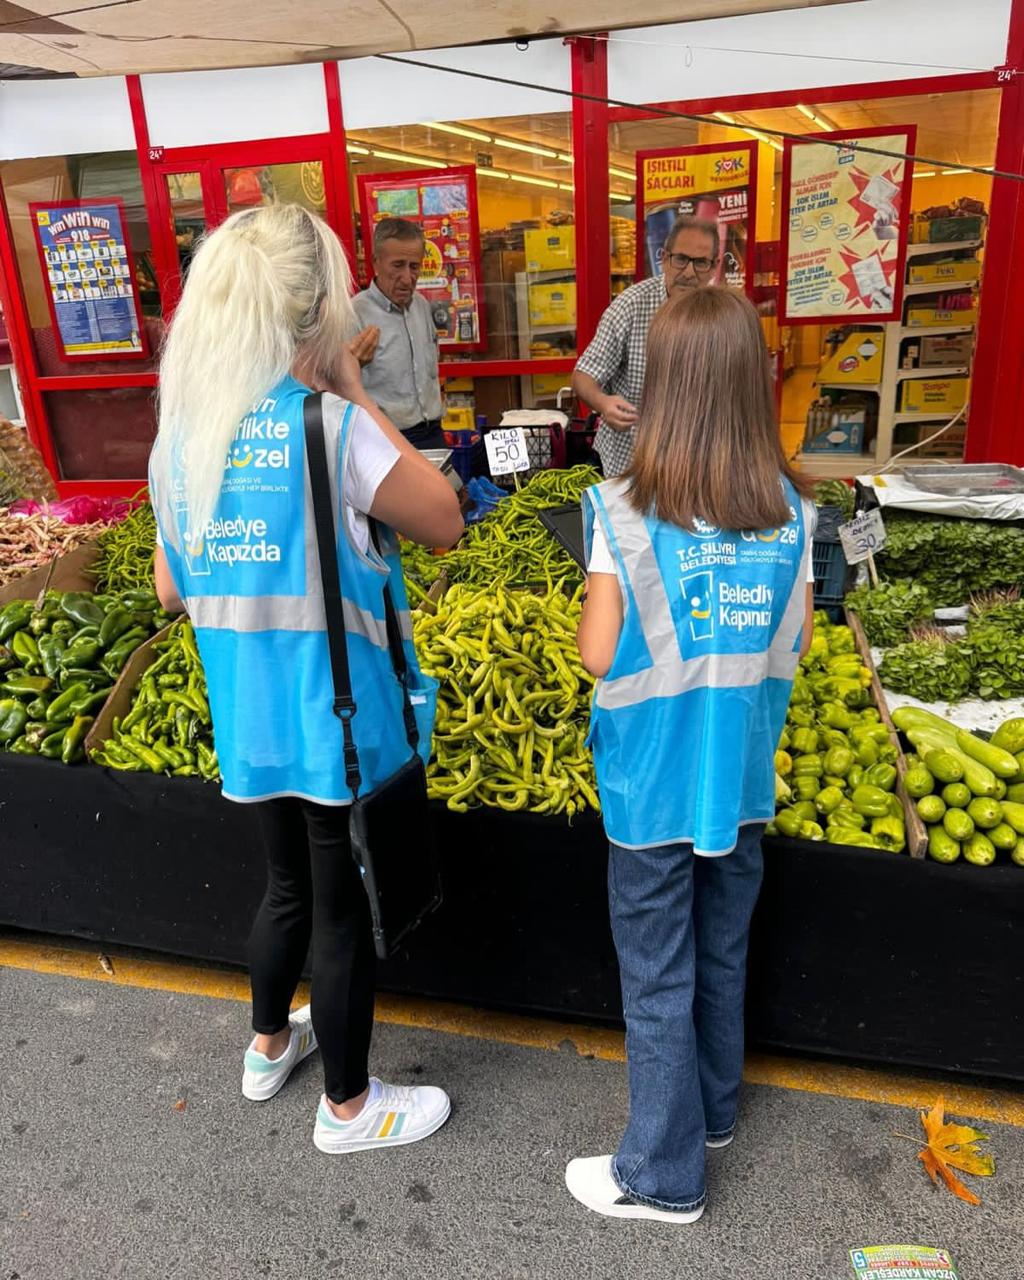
[[180, 1105], [105, 964], [953, 1145]]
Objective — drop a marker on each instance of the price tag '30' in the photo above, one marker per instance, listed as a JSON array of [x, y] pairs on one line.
[[862, 536]]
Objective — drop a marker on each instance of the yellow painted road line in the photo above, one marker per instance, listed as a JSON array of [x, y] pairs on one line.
[[999, 1105]]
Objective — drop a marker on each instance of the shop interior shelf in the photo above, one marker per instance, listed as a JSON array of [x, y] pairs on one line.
[[940, 371], [934, 331], [829, 465], [873, 387], [942, 246], [938, 286], [907, 415], [552, 328]]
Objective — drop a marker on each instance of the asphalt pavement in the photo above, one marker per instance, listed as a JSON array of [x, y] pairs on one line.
[[127, 1151]]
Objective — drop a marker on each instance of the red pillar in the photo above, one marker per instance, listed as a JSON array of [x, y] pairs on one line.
[[339, 163], [590, 173], [994, 430]]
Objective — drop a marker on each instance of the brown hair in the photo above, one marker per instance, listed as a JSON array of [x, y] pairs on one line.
[[707, 440]]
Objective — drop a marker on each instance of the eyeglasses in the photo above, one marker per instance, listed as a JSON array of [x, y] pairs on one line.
[[681, 261]]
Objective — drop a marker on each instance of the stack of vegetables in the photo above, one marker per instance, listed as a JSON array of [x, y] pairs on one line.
[[969, 793], [28, 542], [952, 558], [59, 662], [124, 559], [835, 493], [836, 762], [168, 727], [514, 702]]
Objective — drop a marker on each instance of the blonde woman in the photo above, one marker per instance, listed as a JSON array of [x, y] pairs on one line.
[[263, 320], [698, 609]]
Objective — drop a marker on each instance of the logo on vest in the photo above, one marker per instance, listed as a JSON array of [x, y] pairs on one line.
[[698, 591], [701, 529]]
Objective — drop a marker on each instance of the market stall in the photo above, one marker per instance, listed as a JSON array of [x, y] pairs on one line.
[[118, 832]]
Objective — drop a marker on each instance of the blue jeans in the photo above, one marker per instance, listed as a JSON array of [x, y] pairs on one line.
[[680, 925]]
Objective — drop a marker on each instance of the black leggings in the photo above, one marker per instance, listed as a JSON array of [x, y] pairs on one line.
[[314, 888]]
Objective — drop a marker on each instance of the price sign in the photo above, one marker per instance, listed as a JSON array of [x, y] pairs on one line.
[[862, 536], [506, 451]]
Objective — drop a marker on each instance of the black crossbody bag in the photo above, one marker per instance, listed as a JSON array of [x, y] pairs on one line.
[[390, 827]]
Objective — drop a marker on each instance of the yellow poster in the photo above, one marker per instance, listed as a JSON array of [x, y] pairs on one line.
[[845, 227], [670, 177]]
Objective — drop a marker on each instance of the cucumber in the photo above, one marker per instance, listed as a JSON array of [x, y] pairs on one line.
[[985, 812], [958, 824], [980, 779], [1015, 793], [1017, 854], [1003, 836], [942, 847], [931, 809], [1009, 736], [1002, 763], [944, 765], [957, 795], [919, 781], [1014, 815], [979, 850]]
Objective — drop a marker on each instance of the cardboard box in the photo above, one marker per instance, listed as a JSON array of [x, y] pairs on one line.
[[934, 395], [553, 304], [946, 349], [121, 696], [931, 317], [940, 273], [845, 434], [857, 359], [70, 574], [550, 249]]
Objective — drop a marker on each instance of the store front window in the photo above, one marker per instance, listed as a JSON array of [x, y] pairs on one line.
[[93, 180], [526, 218], [300, 183], [851, 394]]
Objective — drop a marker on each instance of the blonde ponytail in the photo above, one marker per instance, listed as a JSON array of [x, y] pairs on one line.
[[267, 287]]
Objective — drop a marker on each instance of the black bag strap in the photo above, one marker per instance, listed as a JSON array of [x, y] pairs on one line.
[[326, 534]]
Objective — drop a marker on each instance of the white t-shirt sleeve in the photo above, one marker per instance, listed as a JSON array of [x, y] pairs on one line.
[[371, 457], [601, 558]]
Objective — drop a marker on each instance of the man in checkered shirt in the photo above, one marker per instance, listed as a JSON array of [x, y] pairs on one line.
[[609, 376]]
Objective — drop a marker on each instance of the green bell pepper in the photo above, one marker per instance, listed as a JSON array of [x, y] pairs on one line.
[[836, 716], [850, 835], [115, 624], [882, 776], [828, 800], [22, 686], [72, 748], [803, 766], [848, 818], [890, 833], [811, 831], [805, 742], [51, 651], [26, 650], [13, 618], [13, 718], [839, 761], [82, 609], [805, 787], [871, 801]]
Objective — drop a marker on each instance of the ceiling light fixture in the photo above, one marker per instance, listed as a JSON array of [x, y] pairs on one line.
[[461, 131], [949, 172], [566, 158], [357, 150], [431, 161], [514, 145], [492, 173], [721, 115], [621, 173], [535, 182], [928, 173], [621, 196]]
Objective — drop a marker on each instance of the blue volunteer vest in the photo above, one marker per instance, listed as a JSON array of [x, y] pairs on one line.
[[251, 585], [685, 724]]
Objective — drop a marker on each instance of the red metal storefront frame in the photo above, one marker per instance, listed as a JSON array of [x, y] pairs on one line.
[[999, 361]]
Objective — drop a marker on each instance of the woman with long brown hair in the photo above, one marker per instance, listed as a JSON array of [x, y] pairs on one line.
[[697, 611]]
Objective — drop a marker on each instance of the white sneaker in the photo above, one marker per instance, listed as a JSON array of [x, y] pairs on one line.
[[590, 1180], [714, 1144], [262, 1077], [392, 1116]]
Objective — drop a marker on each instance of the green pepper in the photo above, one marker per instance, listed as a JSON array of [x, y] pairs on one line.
[[13, 718], [139, 598], [64, 628], [877, 733], [82, 653], [91, 701], [832, 738], [51, 650], [941, 846], [805, 742], [52, 745], [806, 810], [828, 799], [839, 761], [183, 725], [26, 650], [40, 622], [882, 776], [20, 685], [840, 640], [783, 760], [83, 609], [855, 776], [833, 780], [805, 787], [35, 732], [836, 716], [37, 707], [799, 695], [847, 665], [866, 753], [771, 829], [115, 624], [85, 633], [14, 618], [7, 658], [895, 806], [850, 835], [85, 675], [785, 741], [890, 833], [812, 765], [72, 748], [802, 717], [848, 818], [811, 831], [61, 707], [22, 747], [143, 754], [209, 765], [870, 801], [119, 653]]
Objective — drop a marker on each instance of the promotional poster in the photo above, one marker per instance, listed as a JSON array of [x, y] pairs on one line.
[[87, 263], [845, 224], [443, 203], [716, 183]]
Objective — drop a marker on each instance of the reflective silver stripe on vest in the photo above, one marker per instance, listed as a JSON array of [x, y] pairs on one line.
[[671, 674], [281, 613]]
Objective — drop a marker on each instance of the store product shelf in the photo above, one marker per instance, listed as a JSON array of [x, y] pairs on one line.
[[940, 371], [934, 331], [943, 246], [942, 286], [908, 415], [835, 465], [170, 866], [552, 328], [873, 387]]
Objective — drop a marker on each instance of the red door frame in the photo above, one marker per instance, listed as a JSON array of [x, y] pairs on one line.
[[999, 360]]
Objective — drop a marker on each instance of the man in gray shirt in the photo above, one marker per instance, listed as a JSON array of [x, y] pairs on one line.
[[397, 347]]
